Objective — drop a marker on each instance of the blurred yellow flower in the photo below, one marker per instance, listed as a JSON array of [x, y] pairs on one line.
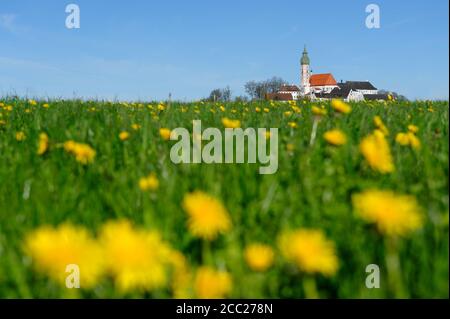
[[292, 125], [32, 102], [43, 144], [380, 125], [310, 250], [288, 113], [135, 126], [212, 284], [393, 214], [257, 109], [207, 217], [259, 257], [137, 259], [164, 133], [413, 129], [83, 153], [124, 135], [20, 136], [335, 137], [45, 105], [53, 249], [377, 153], [340, 106], [266, 110], [228, 123], [408, 139], [318, 111], [149, 183]]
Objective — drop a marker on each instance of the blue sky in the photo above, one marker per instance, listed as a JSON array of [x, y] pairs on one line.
[[146, 49]]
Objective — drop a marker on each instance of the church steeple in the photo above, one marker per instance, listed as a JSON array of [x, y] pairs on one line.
[[305, 59], [305, 73]]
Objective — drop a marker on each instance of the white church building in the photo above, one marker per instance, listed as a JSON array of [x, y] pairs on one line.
[[324, 87]]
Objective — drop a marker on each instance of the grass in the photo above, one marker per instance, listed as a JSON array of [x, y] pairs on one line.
[[312, 188]]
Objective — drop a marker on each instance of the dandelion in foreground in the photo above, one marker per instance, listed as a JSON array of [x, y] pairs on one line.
[[393, 214], [340, 106], [164, 133], [207, 217], [43, 144], [229, 123], [310, 250], [83, 153], [137, 259], [150, 182], [408, 139], [259, 257], [20, 136], [212, 284], [377, 153], [335, 137], [124, 135], [52, 249]]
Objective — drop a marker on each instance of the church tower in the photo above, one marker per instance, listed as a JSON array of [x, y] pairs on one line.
[[305, 73]]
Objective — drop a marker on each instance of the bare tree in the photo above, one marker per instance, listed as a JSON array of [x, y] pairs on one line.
[[258, 89]]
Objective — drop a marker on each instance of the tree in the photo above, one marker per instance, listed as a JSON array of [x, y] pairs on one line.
[[258, 89], [223, 95]]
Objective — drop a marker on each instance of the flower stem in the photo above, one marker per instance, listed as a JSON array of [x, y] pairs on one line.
[[310, 288]]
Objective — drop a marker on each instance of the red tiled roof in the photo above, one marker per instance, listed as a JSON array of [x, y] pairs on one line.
[[322, 79]]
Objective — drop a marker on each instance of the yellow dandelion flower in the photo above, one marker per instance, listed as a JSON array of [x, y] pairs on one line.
[[181, 276], [149, 183], [20, 136], [164, 133], [83, 153], [45, 105], [53, 249], [228, 123], [266, 110], [137, 259], [393, 214], [135, 126], [377, 153], [340, 106], [43, 144], [32, 102], [310, 250], [212, 284], [259, 257], [292, 124], [413, 128], [380, 125], [296, 109], [402, 139], [222, 108], [161, 107], [257, 109], [319, 111], [408, 139], [287, 113], [335, 137], [124, 135], [207, 217]]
